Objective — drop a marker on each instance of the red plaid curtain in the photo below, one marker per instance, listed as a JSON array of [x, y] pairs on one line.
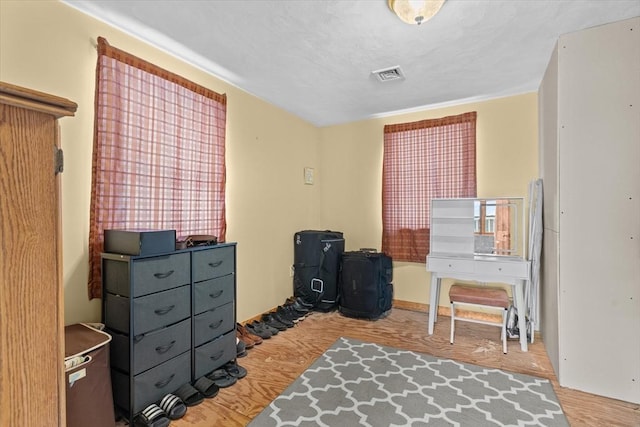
[[158, 154], [422, 161]]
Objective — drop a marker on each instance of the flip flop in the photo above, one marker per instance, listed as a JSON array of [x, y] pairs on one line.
[[221, 378], [189, 395], [173, 406], [152, 416], [235, 370], [207, 387]]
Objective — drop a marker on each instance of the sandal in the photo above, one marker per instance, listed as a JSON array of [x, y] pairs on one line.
[[235, 370], [152, 416], [173, 406], [221, 378], [189, 395], [207, 387]]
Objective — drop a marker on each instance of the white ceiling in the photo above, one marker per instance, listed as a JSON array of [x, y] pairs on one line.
[[314, 58]]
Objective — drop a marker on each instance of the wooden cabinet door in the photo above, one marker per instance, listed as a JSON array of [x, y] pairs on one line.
[[31, 303]]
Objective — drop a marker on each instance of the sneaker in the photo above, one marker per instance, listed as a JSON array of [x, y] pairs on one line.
[[271, 320], [300, 305], [259, 330], [286, 313], [282, 319], [261, 325]]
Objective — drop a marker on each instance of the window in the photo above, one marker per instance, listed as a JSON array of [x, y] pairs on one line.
[[422, 161], [158, 154], [485, 217]]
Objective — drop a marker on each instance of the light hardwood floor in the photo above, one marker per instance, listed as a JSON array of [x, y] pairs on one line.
[[275, 363]]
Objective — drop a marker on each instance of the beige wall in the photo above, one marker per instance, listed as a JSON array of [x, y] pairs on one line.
[[50, 47], [351, 158]]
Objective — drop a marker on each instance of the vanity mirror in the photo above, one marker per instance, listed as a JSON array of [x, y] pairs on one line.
[[482, 226]]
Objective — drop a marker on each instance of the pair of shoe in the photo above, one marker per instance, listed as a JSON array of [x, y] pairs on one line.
[[300, 306], [227, 375], [247, 336], [293, 311], [261, 329], [160, 414], [275, 320], [287, 312]]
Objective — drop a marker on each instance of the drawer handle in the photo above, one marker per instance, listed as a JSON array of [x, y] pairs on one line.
[[163, 383], [217, 356], [161, 349], [163, 275], [215, 264], [216, 325], [217, 294], [164, 310]]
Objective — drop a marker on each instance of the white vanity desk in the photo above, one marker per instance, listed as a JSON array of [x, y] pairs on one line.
[[514, 271], [480, 240]]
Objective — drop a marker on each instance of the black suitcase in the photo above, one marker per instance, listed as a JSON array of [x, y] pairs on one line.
[[316, 261], [365, 284]]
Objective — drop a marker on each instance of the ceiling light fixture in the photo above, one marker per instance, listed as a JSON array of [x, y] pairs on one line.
[[415, 11]]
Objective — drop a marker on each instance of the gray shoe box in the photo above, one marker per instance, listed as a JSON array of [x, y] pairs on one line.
[[139, 242]]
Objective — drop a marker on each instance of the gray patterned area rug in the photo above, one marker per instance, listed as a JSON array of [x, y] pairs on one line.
[[363, 384]]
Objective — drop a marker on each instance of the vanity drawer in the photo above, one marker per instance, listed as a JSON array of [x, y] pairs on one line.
[[211, 263], [213, 323], [214, 354], [213, 293], [518, 269], [445, 265]]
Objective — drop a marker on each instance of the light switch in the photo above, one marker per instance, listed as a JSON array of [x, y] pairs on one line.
[[308, 176]]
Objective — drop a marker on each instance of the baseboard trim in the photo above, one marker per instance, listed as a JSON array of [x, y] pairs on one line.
[[424, 308]]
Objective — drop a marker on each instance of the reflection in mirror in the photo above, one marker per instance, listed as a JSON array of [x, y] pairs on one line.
[[496, 226]]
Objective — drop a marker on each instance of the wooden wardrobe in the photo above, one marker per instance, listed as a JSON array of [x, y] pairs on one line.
[[32, 389]]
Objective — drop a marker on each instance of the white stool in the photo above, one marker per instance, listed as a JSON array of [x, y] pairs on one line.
[[480, 296]]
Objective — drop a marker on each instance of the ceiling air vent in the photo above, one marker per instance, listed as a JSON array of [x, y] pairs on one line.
[[389, 74]]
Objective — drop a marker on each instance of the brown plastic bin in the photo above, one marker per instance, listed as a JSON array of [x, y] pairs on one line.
[[88, 381]]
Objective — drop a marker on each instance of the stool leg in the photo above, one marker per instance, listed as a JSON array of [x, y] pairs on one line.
[[504, 331], [453, 321]]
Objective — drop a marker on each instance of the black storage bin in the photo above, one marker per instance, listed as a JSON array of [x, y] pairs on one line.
[[88, 377], [134, 242]]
